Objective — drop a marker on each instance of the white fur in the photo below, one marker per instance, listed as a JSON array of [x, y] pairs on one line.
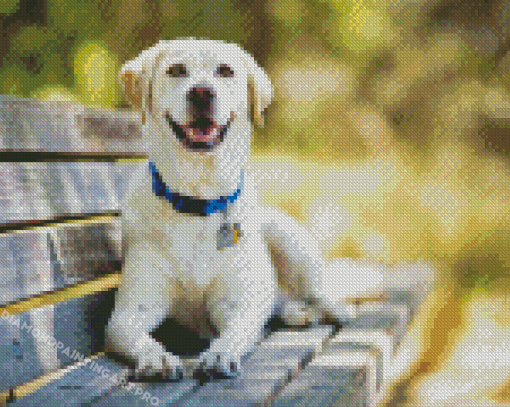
[[172, 264]]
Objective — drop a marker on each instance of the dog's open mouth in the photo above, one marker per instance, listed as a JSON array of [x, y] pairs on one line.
[[201, 134]]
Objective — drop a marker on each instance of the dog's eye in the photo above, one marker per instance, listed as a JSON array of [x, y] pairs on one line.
[[225, 71], [177, 71]]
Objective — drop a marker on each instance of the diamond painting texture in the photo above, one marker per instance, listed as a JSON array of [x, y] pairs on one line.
[[235, 202]]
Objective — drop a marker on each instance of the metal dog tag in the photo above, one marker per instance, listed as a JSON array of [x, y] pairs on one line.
[[229, 235]]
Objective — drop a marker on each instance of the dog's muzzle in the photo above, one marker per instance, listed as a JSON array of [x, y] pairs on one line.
[[201, 134]]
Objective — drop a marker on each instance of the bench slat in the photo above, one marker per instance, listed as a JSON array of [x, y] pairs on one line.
[[25, 265], [84, 251], [80, 384], [34, 262], [392, 318], [57, 126], [79, 324], [39, 191], [340, 380], [267, 369]]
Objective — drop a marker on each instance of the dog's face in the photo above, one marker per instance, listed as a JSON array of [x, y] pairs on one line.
[[199, 99], [198, 93]]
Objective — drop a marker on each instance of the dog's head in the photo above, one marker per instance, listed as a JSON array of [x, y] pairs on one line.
[[198, 88], [198, 98]]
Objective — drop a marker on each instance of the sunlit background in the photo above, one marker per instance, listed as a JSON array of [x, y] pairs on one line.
[[391, 120]]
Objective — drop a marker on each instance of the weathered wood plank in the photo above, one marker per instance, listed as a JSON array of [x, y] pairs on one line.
[[268, 368], [121, 175], [26, 351], [392, 318], [25, 265], [168, 394], [140, 394], [81, 384], [33, 262], [22, 195], [330, 380], [34, 191], [57, 126], [84, 251], [377, 343]]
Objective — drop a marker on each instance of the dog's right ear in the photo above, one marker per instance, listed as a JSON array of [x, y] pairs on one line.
[[136, 75], [260, 89]]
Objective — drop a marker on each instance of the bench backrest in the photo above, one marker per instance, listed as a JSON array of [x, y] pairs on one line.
[[63, 171]]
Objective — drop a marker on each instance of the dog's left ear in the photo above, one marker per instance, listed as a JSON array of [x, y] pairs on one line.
[[261, 90], [135, 77]]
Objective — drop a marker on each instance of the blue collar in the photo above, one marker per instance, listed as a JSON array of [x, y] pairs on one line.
[[186, 204]]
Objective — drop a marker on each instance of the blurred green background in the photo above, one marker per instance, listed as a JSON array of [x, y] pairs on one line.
[[405, 104]]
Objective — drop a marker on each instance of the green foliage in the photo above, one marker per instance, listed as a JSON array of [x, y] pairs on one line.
[[15, 80], [38, 55], [9, 6], [353, 31], [35, 46], [80, 16], [214, 19]]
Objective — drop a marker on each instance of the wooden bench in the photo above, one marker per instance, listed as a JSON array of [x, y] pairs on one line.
[[63, 171]]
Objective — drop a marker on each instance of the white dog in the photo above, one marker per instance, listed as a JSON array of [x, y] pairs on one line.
[[197, 241]]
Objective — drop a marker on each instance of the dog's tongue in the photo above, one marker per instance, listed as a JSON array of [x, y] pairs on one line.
[[207, 133]]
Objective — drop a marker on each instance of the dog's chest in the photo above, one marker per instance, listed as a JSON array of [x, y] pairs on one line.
[[208, 248], [199, 248], [195, 239]]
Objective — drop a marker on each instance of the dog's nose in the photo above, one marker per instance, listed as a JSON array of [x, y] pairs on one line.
[[201, 97]]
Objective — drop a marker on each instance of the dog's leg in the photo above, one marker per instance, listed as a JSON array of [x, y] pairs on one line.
[[239, 306], [144, 299]]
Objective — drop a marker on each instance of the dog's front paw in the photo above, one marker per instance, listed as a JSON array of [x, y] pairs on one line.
[[153, 360], [220, 361]]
